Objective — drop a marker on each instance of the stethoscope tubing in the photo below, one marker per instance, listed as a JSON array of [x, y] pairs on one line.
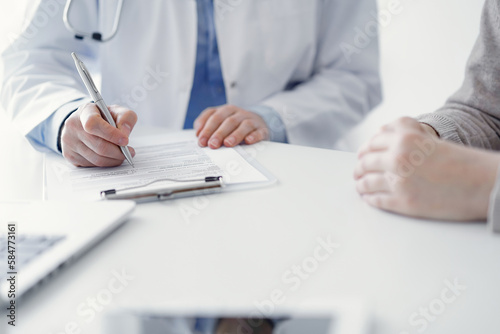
[[97, 36]]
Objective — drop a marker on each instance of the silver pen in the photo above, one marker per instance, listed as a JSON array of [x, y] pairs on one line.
[[99, 102], [208, 185]]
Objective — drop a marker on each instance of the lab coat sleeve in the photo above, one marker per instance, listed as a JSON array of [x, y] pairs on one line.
[[345, 84], [47, 134], [40, 78]]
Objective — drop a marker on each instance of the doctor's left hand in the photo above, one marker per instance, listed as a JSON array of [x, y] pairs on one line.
[[229, 126]]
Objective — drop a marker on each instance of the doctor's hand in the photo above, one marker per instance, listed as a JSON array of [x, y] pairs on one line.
[[406, 169], [229, 126], [88, 140]]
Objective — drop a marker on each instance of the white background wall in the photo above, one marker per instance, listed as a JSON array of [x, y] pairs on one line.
[[424, 51]]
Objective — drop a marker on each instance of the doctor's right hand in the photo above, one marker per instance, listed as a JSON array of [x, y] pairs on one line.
[[87, 140]]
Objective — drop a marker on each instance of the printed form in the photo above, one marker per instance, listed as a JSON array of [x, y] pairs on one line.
[[157, 158]]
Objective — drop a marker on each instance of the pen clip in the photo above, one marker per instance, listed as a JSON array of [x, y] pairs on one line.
[[209, 187], [86, 77], [89, 78]]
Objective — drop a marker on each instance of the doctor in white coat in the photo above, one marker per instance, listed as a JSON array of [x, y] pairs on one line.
[[296, 71]]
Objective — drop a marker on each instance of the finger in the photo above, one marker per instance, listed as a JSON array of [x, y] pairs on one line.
[[228, 126], [76, 159], [403, 123], [94, 124], [132, 151], [373, 183], [238, 134], [96, 159], [125, 119], [382, 201], [429, 129], [378, 142], [100, 146], [370, 163], [257, 136], [200, 121], [213, 124]]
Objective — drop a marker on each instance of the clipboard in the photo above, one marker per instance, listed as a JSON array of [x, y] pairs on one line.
[[62, 180]]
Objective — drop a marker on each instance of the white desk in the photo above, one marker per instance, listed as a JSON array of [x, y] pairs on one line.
[[238, 246]]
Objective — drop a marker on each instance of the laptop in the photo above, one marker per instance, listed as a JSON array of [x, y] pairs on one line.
[[38, 238]]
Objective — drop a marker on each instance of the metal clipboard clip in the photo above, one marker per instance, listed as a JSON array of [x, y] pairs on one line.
[[180, 188]]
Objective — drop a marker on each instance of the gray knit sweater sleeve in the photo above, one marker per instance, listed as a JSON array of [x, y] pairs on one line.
[[472, 115]]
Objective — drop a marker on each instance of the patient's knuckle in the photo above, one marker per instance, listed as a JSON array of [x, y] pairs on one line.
[[366, 183], [411, 138], [361, 185], [377, 201], [384, 128], [364, 164], [404, 121]]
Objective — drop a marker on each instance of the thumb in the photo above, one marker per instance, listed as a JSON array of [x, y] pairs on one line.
[[125, 119]]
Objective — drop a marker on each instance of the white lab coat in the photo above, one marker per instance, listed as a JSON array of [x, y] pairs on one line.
[[266, 46]]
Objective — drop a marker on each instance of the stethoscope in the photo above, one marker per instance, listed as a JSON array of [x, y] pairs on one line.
[[97, 36]]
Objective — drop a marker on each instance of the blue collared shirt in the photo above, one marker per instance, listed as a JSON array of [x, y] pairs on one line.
[[208, 84]]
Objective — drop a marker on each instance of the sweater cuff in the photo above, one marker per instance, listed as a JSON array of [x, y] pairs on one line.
[[274, 123], [444, 126], [494, 207]]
